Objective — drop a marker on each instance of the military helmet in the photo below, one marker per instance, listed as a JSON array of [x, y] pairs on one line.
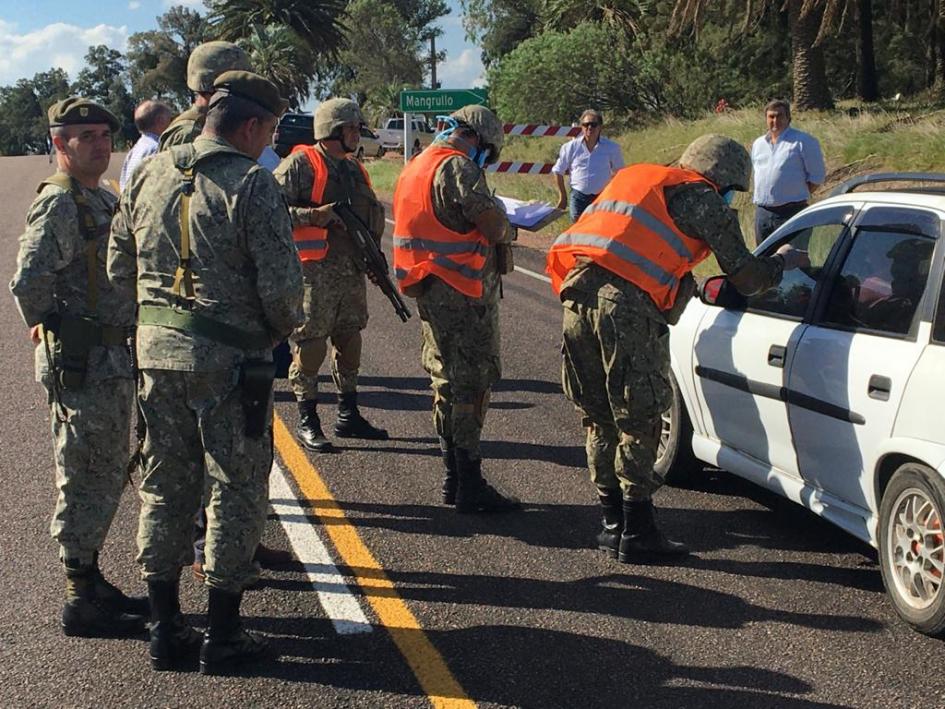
[[720, 159], [211, 59], [333, 113], [486, 124]]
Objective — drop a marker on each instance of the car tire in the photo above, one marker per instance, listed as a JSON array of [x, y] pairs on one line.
[[360, 155], [380, 151], [912, 546], [675, 461]]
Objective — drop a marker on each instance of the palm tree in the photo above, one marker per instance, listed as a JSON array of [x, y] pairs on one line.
[[809, 22], [318, 23], [626, 15], [280, 56]]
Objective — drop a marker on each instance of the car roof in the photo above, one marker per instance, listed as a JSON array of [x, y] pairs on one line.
[[903, 197]]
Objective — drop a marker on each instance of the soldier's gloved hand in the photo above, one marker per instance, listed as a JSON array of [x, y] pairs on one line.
[[324, 216], [793, 258]]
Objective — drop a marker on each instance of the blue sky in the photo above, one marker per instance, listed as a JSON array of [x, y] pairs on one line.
[[37, 35]]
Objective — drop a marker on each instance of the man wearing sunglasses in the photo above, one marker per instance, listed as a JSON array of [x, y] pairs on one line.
[[591, 161]]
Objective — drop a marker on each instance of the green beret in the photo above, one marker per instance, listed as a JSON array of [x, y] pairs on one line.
[[75, 111], [251, 87]]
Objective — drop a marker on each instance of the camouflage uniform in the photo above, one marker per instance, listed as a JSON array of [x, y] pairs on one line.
[[247, 276], [184, 129], [90, 424], [335, 302], [616, 345], [460, 346]]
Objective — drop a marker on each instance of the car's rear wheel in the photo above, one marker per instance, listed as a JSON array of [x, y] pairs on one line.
[[675, 461], [912, 546]]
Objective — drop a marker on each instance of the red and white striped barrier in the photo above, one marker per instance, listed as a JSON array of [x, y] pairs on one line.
[[536, 131], [521, 168]]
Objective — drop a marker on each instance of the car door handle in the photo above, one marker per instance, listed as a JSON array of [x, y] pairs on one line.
[[879, 387], [776, 356]]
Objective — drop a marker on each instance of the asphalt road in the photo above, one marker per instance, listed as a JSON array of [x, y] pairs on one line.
[[776, 608]]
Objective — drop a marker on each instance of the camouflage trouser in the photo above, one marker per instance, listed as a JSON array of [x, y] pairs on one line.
[[196, 449], [92, 450], [335, 306], [615, 370], [460, 350]]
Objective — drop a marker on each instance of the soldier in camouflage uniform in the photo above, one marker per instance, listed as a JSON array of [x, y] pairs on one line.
[[335, 285], [214, 293], [81, 328], [616, 356], [440, 218], [204, 65]]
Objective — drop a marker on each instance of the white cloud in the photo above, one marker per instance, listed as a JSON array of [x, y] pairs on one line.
[[192, 4], [134, 4], [463, 71], [58, 45]]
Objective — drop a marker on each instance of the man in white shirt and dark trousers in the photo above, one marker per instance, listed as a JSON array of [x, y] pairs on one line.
[[591, 160], [151, 118], [787, 165]]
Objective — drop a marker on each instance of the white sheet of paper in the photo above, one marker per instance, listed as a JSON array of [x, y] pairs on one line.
[[525, 215]]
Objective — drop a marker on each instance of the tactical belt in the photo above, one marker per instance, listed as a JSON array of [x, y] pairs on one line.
[[196, 324], [95, 335]]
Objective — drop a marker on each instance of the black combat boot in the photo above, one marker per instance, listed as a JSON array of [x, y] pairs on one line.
[[309, 431], [473, 494], [611, 502], [86, 615], [641, 539], [226, 644], [174, 644], [110, 594], [449, 478], [351, 424]]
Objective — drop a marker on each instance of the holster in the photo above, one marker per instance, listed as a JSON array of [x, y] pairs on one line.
[[75, 338], [415, 290], [504, 260], [256, 378]]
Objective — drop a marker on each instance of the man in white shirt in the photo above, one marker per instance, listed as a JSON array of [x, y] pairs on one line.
[[787, 165], [151, 118], [591, 161]]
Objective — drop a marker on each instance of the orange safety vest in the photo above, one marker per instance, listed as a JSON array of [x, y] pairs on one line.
[[628, 231], [422, 245], [312, 241]]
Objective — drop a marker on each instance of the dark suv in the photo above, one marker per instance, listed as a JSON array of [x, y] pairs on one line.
[[293, 129]]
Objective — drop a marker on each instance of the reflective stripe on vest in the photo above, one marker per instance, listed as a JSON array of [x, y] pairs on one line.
[[422, 245], [312, 241], [628, 231]]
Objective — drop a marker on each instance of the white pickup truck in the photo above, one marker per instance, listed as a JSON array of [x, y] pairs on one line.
[[391, 134]]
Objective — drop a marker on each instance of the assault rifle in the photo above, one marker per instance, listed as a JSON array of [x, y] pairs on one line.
[[371, 255]]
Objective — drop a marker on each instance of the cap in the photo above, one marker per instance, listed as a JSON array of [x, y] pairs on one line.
[[75, 111], [252, 87]]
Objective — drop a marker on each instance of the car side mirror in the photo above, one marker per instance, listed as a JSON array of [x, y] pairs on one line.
[[719, 291]]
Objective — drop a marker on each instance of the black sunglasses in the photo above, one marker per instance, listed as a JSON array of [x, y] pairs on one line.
[[590, 125]]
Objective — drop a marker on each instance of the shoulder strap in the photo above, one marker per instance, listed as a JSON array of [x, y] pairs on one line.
[[185, 160]]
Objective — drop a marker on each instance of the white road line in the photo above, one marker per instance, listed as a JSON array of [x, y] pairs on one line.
[[517, 268], [336, 598]]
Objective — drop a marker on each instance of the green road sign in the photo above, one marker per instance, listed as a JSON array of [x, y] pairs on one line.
[[440, 101]]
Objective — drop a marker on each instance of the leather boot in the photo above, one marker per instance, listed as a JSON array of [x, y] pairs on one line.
[[473, 493], [351, 424], [226, 644], [611, 502], [642, 540], [86, 615], [309, 431], [110, 594], [449, 478], [174, 644]]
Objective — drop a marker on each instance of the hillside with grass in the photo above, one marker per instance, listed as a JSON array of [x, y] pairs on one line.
[[886, 138]]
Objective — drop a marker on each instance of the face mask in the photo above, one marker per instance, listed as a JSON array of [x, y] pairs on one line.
[[728, 196], [474, 153]]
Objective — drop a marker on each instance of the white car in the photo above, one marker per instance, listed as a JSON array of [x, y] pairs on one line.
[[829, 389]]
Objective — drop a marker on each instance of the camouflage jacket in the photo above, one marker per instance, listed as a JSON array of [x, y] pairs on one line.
[[699, 212], [460, 195], [184, 129], [296, 177], [246, 269], [52, 273]]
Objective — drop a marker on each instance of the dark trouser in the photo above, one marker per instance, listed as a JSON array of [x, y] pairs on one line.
[[578, 202], [767, 219]]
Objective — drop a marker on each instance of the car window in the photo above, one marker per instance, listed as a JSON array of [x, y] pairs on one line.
[[938, 329], [816, 234], [366, 133], [882, 279], [396, 124]]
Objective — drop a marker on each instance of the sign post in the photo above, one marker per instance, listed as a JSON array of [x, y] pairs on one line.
[[434, 101]]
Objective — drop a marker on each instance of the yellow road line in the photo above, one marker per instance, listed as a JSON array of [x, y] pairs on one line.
[[425, 661]]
